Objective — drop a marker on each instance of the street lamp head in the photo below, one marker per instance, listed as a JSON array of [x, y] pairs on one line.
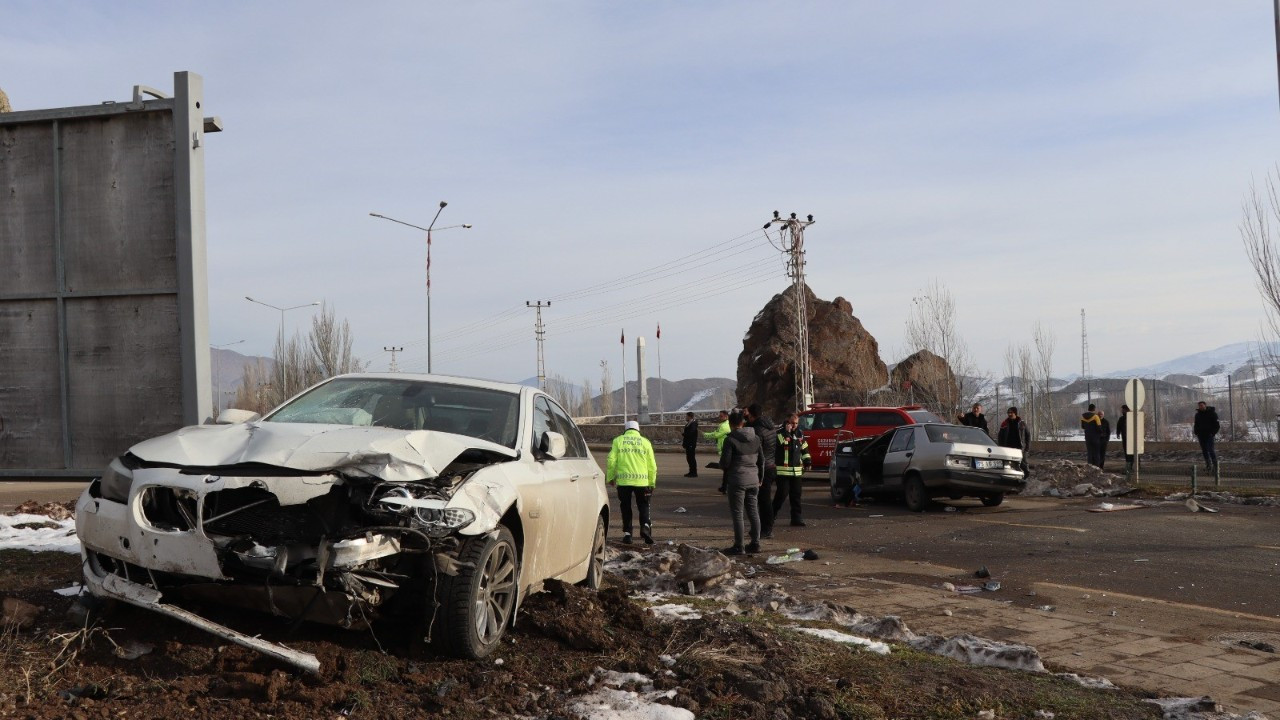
[[443, 203], [467, 225]]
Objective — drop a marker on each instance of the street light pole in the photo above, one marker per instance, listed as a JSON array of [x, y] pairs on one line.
[[285, 369], [427, 229]]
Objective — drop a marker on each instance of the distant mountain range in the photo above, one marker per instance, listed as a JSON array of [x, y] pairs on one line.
[[1241, 362]]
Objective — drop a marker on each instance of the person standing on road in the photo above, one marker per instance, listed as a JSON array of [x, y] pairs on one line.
[[768, 433], [1014, 434], [719, 434], [792, 460], [742, 463], [634, 469], [689, 441], [1103, 438], [1091, 424], [1122, 431], [1205, 427], [975, 418]]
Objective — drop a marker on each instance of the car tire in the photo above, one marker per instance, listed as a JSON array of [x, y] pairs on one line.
[[477, 604], [595, 567], [914, 494], [992, 500]]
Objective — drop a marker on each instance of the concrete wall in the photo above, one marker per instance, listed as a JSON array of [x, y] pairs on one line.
[[103, 314]]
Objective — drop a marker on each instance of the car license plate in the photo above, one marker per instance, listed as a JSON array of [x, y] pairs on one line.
[[988, 464]]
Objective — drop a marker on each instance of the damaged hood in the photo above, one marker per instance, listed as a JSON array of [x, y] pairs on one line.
[[386, 453]]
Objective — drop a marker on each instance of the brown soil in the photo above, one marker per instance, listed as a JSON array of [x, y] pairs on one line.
[[743, 666]]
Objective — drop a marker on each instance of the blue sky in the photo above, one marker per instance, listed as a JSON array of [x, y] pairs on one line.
[[1037, 158]]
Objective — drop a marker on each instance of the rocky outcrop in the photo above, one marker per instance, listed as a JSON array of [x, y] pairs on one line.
[[843, 357], [4, 103], [926, 379]]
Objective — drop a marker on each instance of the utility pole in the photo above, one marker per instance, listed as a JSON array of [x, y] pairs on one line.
[[393, 350], [540, 331], [792, 236], [1084, 357]]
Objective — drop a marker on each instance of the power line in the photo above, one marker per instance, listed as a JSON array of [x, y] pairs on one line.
[[393, 351]]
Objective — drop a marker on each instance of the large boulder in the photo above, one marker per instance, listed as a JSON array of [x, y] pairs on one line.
[[926, 379], [843, 357]]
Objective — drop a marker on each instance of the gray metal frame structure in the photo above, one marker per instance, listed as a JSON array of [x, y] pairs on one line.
[[104, 298]]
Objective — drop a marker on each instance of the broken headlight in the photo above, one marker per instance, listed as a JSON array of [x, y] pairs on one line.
[[443, 521], [428, 514], [116, 481]]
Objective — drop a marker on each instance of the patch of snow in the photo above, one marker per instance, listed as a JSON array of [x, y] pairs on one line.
[[874, 646], [695, 399], [1203, 708], [71, 591], [1095, 683], [983, 651], [673, 611], [51, 535], [612, 703]]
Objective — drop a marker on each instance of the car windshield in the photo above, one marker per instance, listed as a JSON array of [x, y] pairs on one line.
[[958, 434], [408, 405], [924, 416]]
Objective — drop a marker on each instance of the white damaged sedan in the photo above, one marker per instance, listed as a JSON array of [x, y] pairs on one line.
[[431, 501]]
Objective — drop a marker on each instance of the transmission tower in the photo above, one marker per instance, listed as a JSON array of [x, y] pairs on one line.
[[540, 331], [393, 351], [1084, 357], [792, 245]]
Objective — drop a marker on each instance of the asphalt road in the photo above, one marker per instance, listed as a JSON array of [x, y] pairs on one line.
[[1042, 550]]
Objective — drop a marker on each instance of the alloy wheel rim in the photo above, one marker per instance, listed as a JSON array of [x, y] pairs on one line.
[[495, 594]]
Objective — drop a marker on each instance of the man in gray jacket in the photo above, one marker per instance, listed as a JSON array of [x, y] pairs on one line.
[[742, 462]]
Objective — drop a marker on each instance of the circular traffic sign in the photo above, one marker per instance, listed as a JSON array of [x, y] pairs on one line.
[[1135, 394]]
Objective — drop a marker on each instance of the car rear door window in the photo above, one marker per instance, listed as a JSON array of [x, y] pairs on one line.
[[822, 421], [879, 418], [903, 440]]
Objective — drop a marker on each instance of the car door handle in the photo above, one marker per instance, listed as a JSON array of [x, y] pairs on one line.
[[574, 478], [909, 454]]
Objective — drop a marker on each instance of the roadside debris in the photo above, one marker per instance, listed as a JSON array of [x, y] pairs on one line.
[[1194, 506], [791, 555], [1109, 507], [1058, 477], [982, 572]]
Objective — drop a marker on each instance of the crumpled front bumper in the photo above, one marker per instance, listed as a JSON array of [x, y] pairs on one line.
[[109, 585]]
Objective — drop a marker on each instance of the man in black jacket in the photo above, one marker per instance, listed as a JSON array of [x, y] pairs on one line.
[[975, 418], [1206, 426], [1122, 431], [689, 441], [1014, 434], [768, 433]]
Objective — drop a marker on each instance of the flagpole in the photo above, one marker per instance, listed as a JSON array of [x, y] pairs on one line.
[[662, 404], [624, 376]]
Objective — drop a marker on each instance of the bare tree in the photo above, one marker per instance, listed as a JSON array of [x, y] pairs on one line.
[[585, 408], [300, 363], [1261, 209], [563, 391], [606, 389], [1043, 379], [931, 325]]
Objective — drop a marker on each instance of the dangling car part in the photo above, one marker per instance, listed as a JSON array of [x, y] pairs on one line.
[[433, 502]]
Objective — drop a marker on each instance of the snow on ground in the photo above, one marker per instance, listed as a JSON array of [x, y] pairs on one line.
[[611, 702], [697, 398], [874, 646], [37, 533], [673, 611]]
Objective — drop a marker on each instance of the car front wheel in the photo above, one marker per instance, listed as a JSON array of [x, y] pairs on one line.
[[992, 500], [914, 494], [476, 604], [595, 571]]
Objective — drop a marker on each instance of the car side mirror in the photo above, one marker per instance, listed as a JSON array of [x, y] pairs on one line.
[[235, 416], [552, 445]]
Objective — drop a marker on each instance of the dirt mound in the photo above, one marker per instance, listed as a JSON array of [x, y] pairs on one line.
[[582, 619], [1064, 478], [52, 510]]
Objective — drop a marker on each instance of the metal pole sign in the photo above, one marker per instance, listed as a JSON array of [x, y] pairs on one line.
[[1135, 395]]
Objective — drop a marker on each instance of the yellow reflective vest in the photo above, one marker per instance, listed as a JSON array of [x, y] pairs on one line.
[[631, 461], [719, 434]]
